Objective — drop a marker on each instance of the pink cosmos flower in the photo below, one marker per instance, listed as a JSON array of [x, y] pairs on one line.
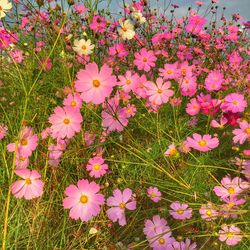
[[98, 24], [154, 194], [208, 212], [128, 81], [118, 203], [214, 81], [180, 211], [130, 110], [170, 71], [95, 85], [27, 143], [243, 133], [80, 8], [141, 90], [195, 24], [21, 161], [181, 245], [118, 49], [83, 200], [30, 187], [89, 138], [221, 124], [96, 167], [202, 143], [230, 234], [230, 187], [171, 151], [73, 101], [234, 102], [159, 93], [145, 59], [65, 122], [188, 86], [193, 107], [17, 56], [150, 226], [3, 131]]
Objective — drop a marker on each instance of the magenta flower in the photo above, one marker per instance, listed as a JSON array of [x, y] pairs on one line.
[[145, 59], [96, 167], [3, 131], [202, 143], [30, 187], [230, 234], [95, 85], [154, 194], [230, 187], [234, 103], [208, 212], [83, 200], [156, 224], [159, 93], [65, 122], [180, 211], [118, 203], [243, 133]]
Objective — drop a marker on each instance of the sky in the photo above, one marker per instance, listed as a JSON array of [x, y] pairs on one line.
[[232, 6]]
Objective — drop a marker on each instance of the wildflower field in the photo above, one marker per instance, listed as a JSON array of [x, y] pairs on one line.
[[125, 130]]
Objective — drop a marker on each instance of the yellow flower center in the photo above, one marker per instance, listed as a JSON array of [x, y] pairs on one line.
[[247, 131], [84, 47], [231, 190], [96, 166], [124, 29], [161, 241], [159, 91], [84, 199], [73, 103], [152, 195], [28, 181], [169, 71], [202, 143], [96, 83], [24, 142], [235, 103], [145, 59], [172, 151], [208, 212], [128, 81], [129, 111], [66, 121], [122, 205], [180, 211], [230, 235]]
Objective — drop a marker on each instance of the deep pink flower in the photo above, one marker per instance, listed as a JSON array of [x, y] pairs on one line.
[[65, 122], [202, 143], [230, 234], [96, 167], [118, 49], [30, 187], [159, 93], [118, 203], [98, 24], [145, 59], [154, 194], [95, 85], [214, 81], [180, 211], [243, 133], [83, 200]]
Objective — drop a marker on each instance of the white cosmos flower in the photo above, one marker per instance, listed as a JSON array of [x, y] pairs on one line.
[[126, 31], [138, 17], [83, 47], [5, 6]]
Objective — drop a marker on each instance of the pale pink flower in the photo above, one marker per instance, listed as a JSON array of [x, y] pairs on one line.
[[170, 71], [221, 124], [230, 187], [73, 101], [118, 203], [159, 93], [230, 234], [83, 200], [214, 81], [3, 131], [234, 102], [65, 122], [243, 133], [30, 187], [95, 85], [128, 81], [208, 212], [180, 211], [130, 110], [154, 194], [145, 60], [181, 245], [96, 167], [193, 107], [202, 143], [171, 151]]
